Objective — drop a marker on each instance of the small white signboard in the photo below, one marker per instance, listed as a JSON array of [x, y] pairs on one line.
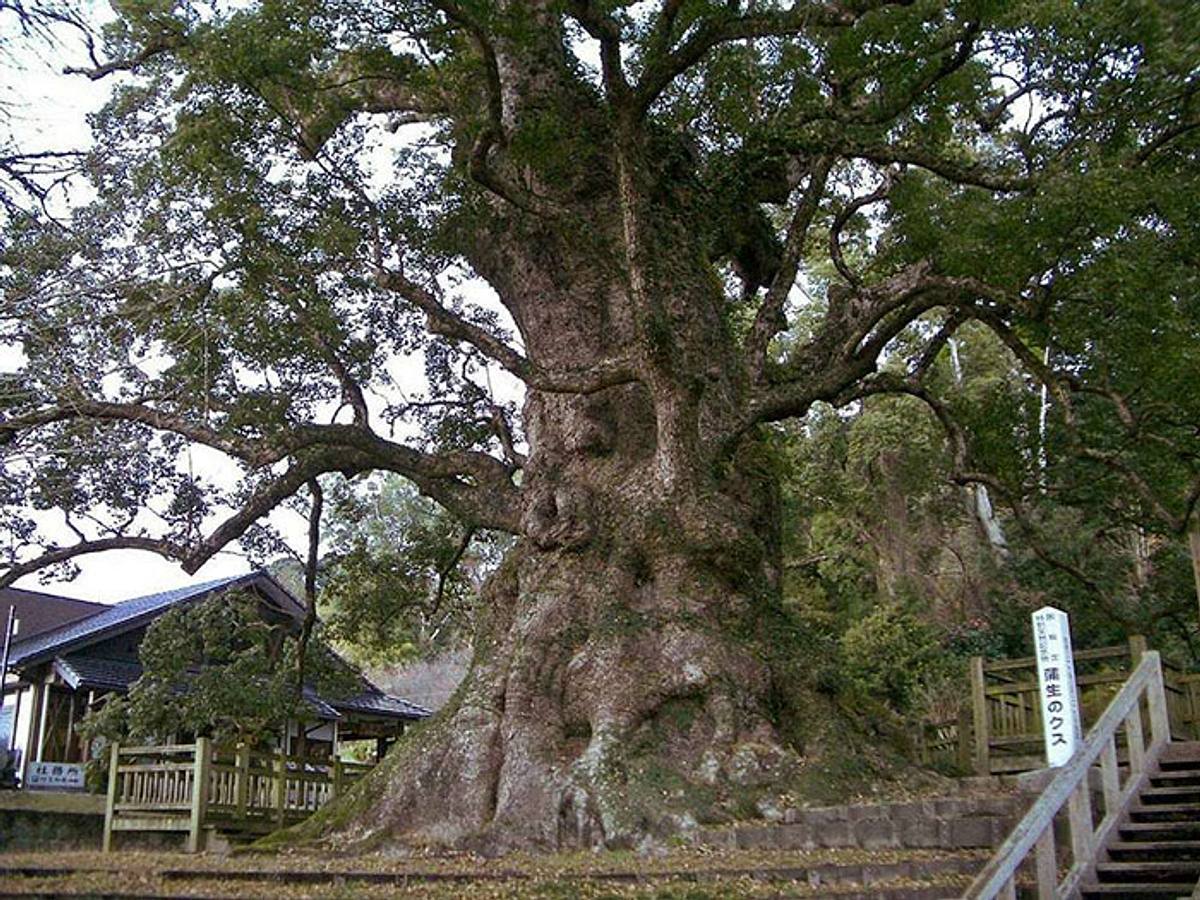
[[7, 726], [1061, 725], [55, 776]]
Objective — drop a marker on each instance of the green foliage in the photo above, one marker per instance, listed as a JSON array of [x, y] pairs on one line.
[[890, 655], [401, 576], [218, 669]]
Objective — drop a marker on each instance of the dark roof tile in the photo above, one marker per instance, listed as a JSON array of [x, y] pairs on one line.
[[96, 673], [117, 618], [381, 704]]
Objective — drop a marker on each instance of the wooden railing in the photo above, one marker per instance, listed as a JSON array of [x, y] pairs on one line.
[[999, 730], [1071, 787], [193, 787]]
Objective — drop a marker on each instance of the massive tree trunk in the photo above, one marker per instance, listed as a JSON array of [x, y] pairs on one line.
[[621, 680], [619, 689], [622, 683]]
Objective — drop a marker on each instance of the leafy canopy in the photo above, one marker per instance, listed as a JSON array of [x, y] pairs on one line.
[[291, 197]]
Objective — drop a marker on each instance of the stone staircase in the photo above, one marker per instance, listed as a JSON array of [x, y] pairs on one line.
[[924, 849], [1157, 851]]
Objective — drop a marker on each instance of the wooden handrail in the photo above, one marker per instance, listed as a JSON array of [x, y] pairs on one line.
[[1070, 786], [1030, 662], [212, 785]]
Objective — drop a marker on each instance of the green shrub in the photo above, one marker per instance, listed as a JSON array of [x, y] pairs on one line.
[[890, 657]]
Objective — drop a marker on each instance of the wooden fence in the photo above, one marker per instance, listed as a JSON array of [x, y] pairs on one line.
[[999, 731], [195, 787], [1034, 838]]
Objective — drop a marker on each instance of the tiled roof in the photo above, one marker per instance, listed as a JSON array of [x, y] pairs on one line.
[[320, 707], [380, 704], [121, 617], [79, 669], [97, 673]]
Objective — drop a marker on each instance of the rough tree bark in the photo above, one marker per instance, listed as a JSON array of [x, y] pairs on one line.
[[626, 646]]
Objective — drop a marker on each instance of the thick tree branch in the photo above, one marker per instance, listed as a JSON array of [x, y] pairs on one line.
[[769, 320], [82, 408], [157, 46], [51, 557], [971, 174], [845, 214], [607, 31]]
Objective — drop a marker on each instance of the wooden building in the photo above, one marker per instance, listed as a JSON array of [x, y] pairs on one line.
[[73, 655]]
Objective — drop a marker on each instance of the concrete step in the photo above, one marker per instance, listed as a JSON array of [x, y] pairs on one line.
[[1165, 812], [928, 891], [1180, 755], [1141, 851], [1160, 831], [896, 875], [1174, 891], [1157, 872], [1178, 778], [1172, 794]]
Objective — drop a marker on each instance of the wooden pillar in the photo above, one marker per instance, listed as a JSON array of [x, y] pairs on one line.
[[979, 717], [280, 787], [1156, 698], [31, 742], [336, 772], [200, 770], [964, 738], [68, 749], [42, 716], [85, 746], [241, 781], [110, 806], [1137, 649], [12, 739]]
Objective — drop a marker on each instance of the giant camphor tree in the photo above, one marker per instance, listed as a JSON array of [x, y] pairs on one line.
[[292, 195]]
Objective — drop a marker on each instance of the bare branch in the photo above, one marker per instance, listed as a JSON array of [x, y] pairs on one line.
[[157, 46]]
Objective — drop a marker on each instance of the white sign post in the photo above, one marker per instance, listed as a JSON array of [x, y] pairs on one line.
[[1061, 726]]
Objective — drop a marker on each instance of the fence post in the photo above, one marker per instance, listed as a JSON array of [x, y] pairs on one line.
[[1156, 698], [1137, 648], [336, 788], [964, 738], [280, 786], [979, 717], [200, 770], [1193, 706], [110, 807], [241, 780]]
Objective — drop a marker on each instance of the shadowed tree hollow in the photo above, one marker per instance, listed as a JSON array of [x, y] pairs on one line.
[[665, 227]]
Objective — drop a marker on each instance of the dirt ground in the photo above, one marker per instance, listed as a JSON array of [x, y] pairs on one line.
[[683, 874]]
